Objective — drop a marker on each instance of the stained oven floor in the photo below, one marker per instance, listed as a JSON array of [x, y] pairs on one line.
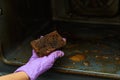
[[51, 75], [98, 54]]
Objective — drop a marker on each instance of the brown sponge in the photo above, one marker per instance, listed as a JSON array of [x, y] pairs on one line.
[[50, 42]]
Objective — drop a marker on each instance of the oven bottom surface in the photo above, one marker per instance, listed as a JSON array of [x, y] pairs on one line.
[[49, 75], [89, 51]]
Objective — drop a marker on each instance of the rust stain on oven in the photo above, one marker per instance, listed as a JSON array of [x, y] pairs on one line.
[[77, 57], [95, 55]]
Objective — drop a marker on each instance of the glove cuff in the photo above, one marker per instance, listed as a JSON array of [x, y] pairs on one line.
[[23, 69]]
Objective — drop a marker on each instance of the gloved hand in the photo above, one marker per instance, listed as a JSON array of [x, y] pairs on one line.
[[38, 65]]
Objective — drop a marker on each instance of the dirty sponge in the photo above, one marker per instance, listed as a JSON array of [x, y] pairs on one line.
[[47, 44]]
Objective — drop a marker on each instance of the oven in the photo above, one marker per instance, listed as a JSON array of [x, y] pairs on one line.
[[91, 28]]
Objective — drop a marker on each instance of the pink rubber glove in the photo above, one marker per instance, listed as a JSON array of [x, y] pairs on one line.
[[36, 66]]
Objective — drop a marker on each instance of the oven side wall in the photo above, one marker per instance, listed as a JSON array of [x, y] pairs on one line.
[[20, 19]]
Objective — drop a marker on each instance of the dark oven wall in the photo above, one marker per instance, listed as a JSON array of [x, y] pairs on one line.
[[21, 18], [87, 11]]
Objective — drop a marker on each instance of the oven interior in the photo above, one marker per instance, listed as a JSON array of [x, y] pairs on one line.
[[91, 32]]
